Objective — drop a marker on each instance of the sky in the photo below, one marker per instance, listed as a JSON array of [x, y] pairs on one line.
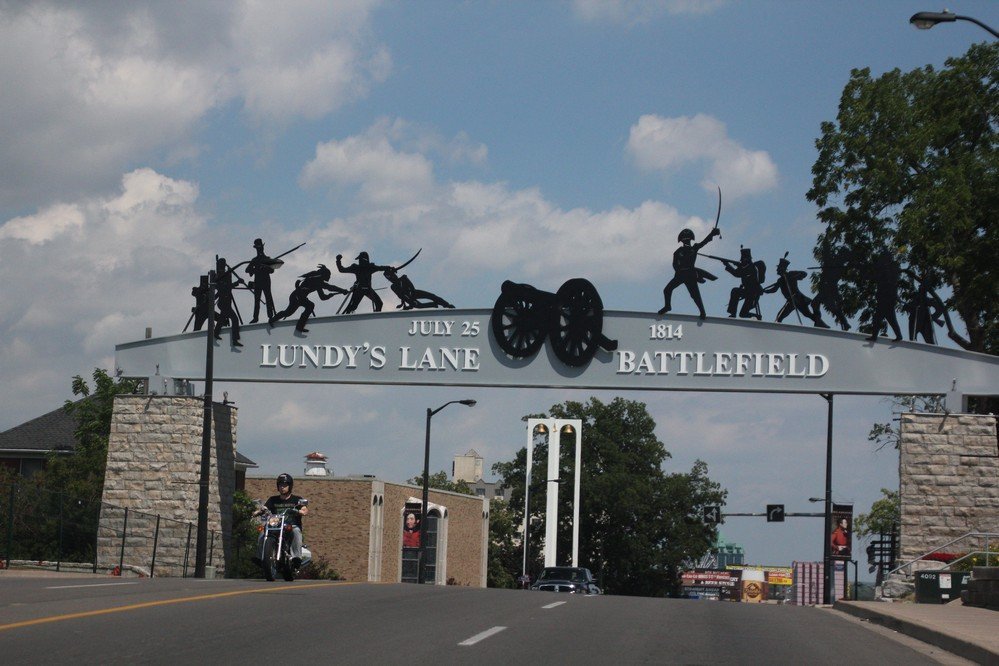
[[533, 141]]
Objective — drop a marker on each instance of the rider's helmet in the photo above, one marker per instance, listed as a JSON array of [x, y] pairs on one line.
[[286, 480], [685, 234]]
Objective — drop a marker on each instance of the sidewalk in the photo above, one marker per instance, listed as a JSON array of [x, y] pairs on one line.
[[966, 631]]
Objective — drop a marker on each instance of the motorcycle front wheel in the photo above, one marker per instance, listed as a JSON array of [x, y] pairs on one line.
[[269, 564], [287, 570]]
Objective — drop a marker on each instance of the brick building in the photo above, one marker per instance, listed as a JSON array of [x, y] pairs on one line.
[[357, 522]]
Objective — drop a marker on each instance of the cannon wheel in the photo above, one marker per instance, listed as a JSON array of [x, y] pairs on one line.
[[518, 323], [579, 324]]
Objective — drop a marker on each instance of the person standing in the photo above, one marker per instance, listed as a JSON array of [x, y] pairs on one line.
[[686, 273], [259, 269], [362, 270]]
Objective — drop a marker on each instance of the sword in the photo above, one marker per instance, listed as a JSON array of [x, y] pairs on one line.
[[718, 215]]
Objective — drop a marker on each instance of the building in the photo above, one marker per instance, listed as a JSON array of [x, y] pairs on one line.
[[25, 448], [468, 468], [357, 523]]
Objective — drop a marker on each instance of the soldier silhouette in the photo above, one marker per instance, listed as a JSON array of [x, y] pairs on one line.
[[409, 296], [787, 282], [886, 274], [260, 269], [199, 313], [686, 272], [314, 281], [832, 265], [925, 310], [751, 274], [224, 299], [362, 270]]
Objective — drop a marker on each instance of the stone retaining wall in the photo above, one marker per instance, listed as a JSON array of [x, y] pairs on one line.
[[949, 480], [153, 469]]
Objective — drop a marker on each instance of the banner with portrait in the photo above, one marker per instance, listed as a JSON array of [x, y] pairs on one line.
[[841, 536]]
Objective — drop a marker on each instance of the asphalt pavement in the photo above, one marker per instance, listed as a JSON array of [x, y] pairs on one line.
[[104, 619], [966, 631]]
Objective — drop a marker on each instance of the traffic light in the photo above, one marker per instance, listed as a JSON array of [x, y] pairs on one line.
[[712, 514], [775, 513]]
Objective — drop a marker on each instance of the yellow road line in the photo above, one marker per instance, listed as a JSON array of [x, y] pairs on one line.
[[164, 602]]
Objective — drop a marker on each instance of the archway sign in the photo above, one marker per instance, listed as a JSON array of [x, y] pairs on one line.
[[620, 351]]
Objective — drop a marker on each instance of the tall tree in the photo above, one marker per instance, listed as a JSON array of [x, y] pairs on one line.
[[439, 481], [910, 167], [81, 475], [638, 525]]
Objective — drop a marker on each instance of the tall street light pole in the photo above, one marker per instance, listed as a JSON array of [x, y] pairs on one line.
[[826, 558], [201, 542], [426, 485], [926, 20]]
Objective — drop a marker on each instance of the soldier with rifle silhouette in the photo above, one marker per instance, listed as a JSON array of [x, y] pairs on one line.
[[199, 313], [259, 269], [362, 270], [314, 281], [751, 275], [925, 310], [795, 301], [686, 273], [831, 268], [886, 273], [224, 298]]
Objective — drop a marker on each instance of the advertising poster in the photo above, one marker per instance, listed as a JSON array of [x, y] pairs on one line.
[[411, 526], [841, 537]]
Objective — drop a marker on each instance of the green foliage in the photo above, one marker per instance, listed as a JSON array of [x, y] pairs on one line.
[[319, 569], [638, 524], [504, 546], [439, 481], [244, 537], [81, 475], [910, 166], [885, 515], [884, 434]]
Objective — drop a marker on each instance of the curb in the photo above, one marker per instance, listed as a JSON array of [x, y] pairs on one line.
[[957, 646]]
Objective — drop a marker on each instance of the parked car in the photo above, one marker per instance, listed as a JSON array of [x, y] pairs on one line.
[[574, 580]]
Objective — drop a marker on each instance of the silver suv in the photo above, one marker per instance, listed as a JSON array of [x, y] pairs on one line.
[[574, 580]]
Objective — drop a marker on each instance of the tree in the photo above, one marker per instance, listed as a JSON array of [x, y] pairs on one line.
[[81, 475], [884, 517], [439, 481], [884, 434], [910, 167], [504, 542], [639, 526]]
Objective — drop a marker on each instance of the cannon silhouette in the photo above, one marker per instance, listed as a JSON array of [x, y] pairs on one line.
[[572, 320]]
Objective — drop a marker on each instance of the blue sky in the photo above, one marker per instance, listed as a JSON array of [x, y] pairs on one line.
[[533, 141]]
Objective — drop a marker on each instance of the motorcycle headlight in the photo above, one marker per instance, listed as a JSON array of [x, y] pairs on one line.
[[274, 521]]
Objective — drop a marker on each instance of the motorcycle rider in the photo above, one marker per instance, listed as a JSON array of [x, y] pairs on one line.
[[278, 503]]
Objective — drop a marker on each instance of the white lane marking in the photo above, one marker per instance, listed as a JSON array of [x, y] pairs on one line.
[[557, 603], [66, 587], [481, 636]]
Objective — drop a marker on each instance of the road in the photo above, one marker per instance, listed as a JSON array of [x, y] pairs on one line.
[[164, 620]]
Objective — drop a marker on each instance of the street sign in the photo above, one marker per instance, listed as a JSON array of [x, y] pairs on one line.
[[712, 514], [775, 513]]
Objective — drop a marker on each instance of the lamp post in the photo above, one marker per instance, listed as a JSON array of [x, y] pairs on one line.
[[926, 20], [201, 541], [426, 484]]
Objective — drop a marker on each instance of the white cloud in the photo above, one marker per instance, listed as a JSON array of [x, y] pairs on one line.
[[665, 144], [100, 87], [633, 12]]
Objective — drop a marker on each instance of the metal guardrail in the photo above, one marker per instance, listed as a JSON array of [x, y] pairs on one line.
[[987, 536]]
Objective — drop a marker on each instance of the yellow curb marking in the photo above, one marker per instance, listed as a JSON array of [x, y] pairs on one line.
[[164, 602]]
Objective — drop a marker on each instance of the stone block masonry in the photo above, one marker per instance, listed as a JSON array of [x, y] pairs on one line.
[[153, 470], [949, 481]]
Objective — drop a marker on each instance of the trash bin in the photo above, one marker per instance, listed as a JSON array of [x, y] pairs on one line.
[[940, 587]]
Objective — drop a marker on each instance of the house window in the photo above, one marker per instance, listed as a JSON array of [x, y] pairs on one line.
[[481, 492]]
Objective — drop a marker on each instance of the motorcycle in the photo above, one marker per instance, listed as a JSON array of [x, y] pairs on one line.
[[276, 555]]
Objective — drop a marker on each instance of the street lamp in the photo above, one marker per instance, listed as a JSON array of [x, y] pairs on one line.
[[426, 484], [926, 20]]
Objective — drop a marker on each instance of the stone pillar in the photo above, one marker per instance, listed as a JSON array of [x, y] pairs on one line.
[[949, 481], [153, 469]]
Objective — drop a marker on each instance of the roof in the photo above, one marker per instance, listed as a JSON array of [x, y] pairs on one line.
[[55, 432], [48, 432]]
